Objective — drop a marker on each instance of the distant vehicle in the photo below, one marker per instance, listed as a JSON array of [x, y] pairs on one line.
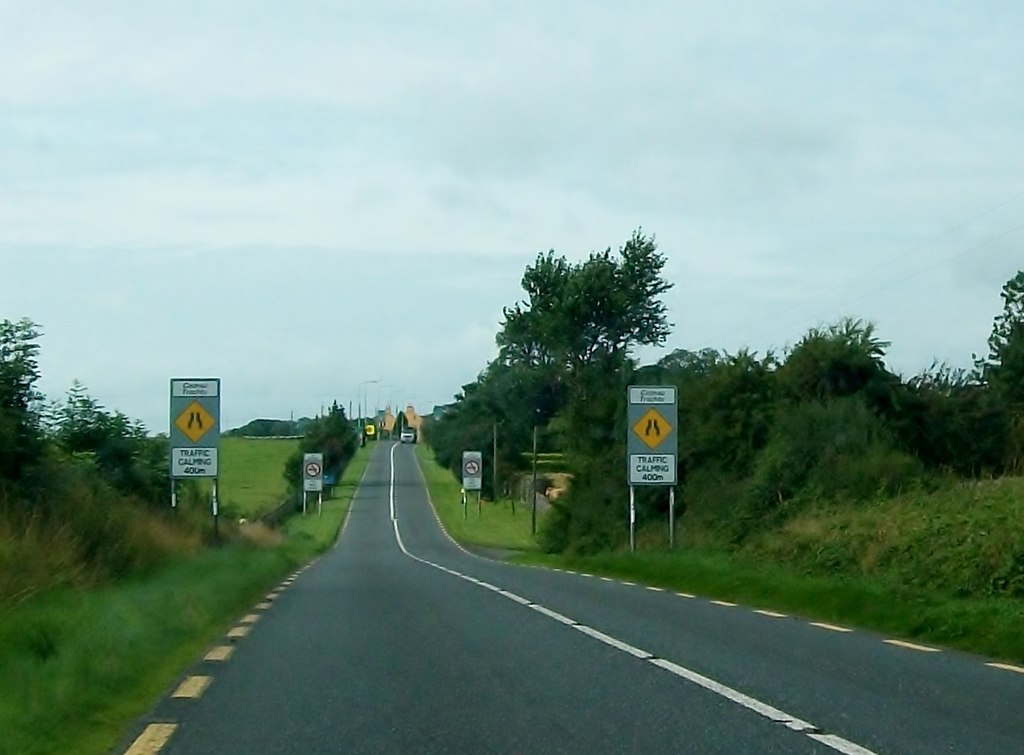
[[408, 435]]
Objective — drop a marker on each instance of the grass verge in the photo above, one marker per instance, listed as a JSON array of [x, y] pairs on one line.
[[989, 627], [77, 667], [489, 525]]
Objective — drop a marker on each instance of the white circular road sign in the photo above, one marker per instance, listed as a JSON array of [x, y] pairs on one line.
[[312, 469], [472, 468]]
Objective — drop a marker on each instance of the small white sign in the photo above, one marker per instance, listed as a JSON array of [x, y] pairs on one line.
[[193, 388], [639, 394], [652, 469], [472, 470], [193, 462], [313, 473]]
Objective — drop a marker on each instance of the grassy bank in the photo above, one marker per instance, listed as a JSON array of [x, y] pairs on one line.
[[989, 626], [492, 525], [941, 567], [77, 666]]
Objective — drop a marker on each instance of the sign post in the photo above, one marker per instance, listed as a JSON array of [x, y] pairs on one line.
[[195, 434], [313, 480], [651, 446], [473, 475]]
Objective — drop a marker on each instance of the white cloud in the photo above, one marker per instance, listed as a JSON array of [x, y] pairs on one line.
[[263, 166]]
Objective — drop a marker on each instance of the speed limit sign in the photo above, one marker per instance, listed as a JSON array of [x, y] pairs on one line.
[[313, 472]]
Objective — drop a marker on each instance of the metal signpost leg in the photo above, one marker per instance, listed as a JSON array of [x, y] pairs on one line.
[[174, 494], [320, 504], [479, 504], [533, 486], [632, 519], [216, 533], [303, 502], [671, 517], [465, 509]]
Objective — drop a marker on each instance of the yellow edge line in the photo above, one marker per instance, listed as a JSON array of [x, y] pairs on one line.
[[152, 739], [830, 627], [252, 618], [238, 632], [912, 646], [220, 653], [193, 687], [1007, 667]]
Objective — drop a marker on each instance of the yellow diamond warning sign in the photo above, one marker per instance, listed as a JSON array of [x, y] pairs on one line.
[[652, 428], [195, 421]]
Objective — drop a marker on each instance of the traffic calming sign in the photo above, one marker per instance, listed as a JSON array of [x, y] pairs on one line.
[[652, 439], [194, 434], [195, 422], [652, 428]]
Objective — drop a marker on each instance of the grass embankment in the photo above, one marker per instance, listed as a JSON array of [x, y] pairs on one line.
[[945, 567], [78, 666], [491, 525]]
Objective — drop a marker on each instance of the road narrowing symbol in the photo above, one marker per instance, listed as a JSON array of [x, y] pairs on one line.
[[195, 422], [652, 428]]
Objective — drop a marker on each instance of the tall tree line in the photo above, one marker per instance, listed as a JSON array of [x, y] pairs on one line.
[[758, 433]]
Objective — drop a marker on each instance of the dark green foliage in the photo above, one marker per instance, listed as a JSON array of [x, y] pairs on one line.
[[952, 422], [333, 436], [20, 435], [1003, 371], [606, 304], [118, 448], [726, 406], [841, 360], [832, 449]]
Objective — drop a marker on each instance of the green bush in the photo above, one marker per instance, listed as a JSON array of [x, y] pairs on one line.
[[833, 449]]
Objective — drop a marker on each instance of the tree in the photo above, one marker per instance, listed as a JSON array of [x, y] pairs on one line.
[[574, 312], [1004, 369], [20, 434], [841, 360], [581, 322]]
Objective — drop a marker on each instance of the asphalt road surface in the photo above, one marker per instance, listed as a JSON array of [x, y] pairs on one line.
[[398, 641]]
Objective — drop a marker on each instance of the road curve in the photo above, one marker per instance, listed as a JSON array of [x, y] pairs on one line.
[[398, 641]]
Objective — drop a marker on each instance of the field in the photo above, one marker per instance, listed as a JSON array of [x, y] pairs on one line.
[[251, 474]]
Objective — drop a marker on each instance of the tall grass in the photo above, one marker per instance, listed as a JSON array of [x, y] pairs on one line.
[[78, 665]]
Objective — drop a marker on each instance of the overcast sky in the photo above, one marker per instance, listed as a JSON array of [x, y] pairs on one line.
[[301, 198]]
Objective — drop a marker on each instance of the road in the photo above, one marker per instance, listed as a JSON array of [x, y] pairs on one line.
[[398, 641]]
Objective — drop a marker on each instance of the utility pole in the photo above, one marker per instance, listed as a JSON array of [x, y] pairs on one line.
[[533, 485], [494, 465]]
